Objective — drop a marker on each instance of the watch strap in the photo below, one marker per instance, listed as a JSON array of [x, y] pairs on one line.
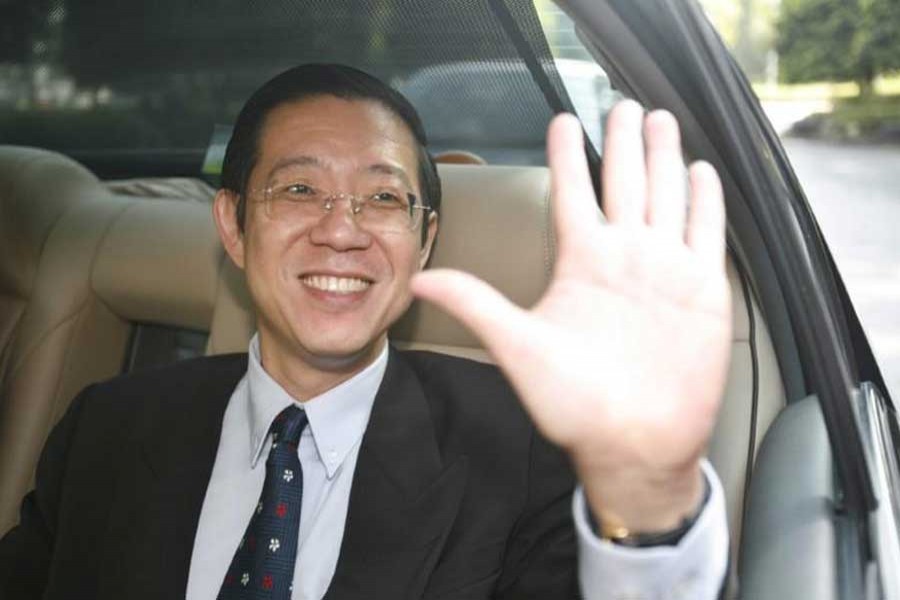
[[621, 536]]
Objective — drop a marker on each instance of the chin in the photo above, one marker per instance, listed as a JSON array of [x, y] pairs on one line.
[[341, 350]]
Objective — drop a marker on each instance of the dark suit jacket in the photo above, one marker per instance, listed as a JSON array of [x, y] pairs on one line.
[[455, 496]]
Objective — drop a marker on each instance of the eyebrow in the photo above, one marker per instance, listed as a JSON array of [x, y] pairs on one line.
[[305, 160], [294, 161], [386, 169]]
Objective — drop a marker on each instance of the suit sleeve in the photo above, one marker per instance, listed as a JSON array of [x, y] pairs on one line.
[[541, 561], [26, 550]]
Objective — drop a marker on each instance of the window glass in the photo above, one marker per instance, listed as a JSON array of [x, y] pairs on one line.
[[138, 88], [586, 83]]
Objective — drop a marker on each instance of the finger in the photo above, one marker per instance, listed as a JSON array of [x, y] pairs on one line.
[[575, 207], [706, 221], [493, 319], [506, 331], [666, 182], [624, 176]]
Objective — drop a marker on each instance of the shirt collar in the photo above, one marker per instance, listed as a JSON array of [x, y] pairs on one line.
[[337, 418]]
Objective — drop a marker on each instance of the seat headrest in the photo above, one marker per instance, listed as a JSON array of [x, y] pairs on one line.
[[38, 187], [495, 223]]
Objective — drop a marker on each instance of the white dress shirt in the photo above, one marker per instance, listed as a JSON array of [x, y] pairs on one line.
[[328, 452], [693, 570]]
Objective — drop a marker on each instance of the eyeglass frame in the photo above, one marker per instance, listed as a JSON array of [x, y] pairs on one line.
[[357, 203]]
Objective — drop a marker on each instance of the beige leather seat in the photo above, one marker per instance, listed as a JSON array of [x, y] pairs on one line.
[[142, 260], [54, 335]]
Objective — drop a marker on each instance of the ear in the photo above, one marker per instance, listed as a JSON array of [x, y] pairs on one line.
[[425, 252], [225, 216]]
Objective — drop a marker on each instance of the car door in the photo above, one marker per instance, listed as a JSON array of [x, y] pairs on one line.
[[820, 515]]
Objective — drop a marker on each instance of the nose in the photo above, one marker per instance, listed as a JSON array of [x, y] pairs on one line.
[[338, 228]]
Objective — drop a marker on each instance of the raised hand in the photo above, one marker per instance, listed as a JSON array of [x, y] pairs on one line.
[[623, 360]]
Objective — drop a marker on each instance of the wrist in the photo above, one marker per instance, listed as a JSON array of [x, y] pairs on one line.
[[623, 537], [629, 504]]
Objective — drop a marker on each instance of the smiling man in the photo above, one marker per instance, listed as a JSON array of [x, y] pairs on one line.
[[326, 228], [327, 464]]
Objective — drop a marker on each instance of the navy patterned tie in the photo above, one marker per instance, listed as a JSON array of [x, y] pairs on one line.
[[263, 566]]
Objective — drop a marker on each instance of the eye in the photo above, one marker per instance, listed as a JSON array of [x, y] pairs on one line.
[[299, 189], [387, 200], [294, 192]]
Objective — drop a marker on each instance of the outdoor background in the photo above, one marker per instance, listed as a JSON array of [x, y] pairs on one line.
[[827, 73]]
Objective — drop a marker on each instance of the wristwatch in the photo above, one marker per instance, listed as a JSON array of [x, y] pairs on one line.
[[620, 535]]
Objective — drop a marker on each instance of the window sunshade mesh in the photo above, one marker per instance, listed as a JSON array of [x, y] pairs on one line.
[[160, 75]]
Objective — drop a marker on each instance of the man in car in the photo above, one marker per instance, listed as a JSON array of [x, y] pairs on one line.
[[327, 464]]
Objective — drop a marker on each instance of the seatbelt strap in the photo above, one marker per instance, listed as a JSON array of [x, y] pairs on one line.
[[540, 77]]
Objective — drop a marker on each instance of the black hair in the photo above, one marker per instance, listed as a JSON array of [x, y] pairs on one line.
[[306, 81]]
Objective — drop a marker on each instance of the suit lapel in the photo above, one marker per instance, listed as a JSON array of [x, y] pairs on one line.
[[158, 502], [404, 497]]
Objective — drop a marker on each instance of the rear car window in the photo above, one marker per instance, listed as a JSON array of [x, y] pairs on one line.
[[134, 89]]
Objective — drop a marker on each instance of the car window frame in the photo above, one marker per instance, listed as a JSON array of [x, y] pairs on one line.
[[757, 174]]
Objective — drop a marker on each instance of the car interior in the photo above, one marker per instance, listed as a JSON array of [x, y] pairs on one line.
[[109, 266], [97, 281]]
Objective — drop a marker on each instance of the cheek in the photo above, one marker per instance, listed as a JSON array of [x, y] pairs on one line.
[[406, 264], [266, 271], [405, 256]]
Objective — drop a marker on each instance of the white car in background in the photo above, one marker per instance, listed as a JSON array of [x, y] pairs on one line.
[[476, 106]]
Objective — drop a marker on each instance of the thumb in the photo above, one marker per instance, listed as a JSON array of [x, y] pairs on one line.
[[493, 319]]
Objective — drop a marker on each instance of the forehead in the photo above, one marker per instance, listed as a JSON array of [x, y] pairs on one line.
[[341, 135]]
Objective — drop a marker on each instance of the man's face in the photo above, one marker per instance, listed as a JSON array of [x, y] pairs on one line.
[[327, 290]]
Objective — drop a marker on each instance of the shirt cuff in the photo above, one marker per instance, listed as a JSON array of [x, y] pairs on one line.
[[693, 569]]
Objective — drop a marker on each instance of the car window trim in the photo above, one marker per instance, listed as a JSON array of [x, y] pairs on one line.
[[557, 102]]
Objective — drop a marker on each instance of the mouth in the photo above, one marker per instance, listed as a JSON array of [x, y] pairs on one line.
[[333, 284]]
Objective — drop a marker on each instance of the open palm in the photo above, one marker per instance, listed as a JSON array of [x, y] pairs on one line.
[[622, 362]]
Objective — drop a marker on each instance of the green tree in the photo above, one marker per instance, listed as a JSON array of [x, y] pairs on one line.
[[838, 40], [882, 36]]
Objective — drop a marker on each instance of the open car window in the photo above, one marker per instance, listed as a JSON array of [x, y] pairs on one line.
[[587, 84]]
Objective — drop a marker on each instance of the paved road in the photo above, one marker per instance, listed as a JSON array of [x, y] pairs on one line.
[[855, 193]]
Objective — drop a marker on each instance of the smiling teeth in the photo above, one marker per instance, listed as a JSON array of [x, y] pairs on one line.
[[339, 285]]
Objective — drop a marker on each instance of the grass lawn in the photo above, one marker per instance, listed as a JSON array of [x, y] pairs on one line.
[[876, 118], [824, 90]]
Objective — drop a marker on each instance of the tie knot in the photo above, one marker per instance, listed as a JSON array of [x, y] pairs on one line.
[[288, 425]]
